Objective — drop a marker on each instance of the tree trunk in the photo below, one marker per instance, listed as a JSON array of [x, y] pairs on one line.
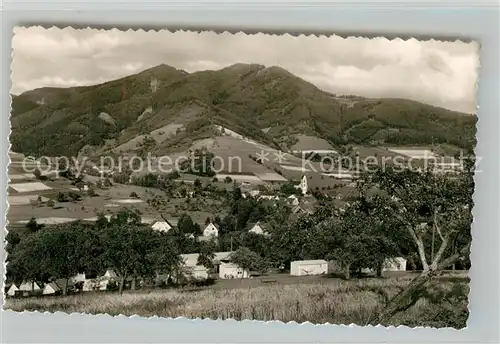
[[65, 287], [412, 293], [347, 271], [405, 299], [134, 281], [122, 282], [379, 270]]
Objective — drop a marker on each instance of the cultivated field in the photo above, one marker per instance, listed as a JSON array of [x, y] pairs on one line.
[[334, 301]]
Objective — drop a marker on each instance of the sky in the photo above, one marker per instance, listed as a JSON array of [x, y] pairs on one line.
[[439, 73]]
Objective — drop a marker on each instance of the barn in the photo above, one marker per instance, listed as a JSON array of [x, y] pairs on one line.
[[308, 267], [230, 271]]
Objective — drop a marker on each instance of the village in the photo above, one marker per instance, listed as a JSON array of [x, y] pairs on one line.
[[41, 200]]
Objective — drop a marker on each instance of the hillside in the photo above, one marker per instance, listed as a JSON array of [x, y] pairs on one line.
[[266, 104]]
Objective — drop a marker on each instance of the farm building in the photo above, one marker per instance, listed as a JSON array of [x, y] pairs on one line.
[[394, 264], [229, 271], [198, 272], [293, 200], [192, 269], [12, 290], [304, 208], [51, 289], [254, 193], [308, 267], [210, 230]]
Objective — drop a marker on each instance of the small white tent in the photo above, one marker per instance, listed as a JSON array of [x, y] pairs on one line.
[[309, 267], [28, 286], [51, 288], [12, 290]]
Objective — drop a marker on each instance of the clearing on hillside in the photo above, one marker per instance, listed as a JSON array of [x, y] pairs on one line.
[[30, 187]]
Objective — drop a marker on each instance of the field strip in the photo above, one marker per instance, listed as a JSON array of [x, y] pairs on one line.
[[30, 187]]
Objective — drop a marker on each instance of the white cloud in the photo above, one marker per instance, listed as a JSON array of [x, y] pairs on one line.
[[438, 73]]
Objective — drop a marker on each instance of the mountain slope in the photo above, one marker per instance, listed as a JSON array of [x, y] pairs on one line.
[[266, 104]]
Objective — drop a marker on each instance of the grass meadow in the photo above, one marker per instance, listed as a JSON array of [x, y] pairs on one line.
[[346, 302]]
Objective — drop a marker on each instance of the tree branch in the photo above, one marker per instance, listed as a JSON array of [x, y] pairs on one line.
[[420, 246], [436, 226], [454, 258], [439, 254]]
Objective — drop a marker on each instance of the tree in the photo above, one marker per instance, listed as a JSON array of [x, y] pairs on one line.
[[289, 189], [33, 226], [91, 191], [207, 254], [441, 211], [163, 255], [51, 203], [186, 225], [248, 260], [55, 252], [80, 185], [37, 173], [133, 194], [127, 249], [126, 217]]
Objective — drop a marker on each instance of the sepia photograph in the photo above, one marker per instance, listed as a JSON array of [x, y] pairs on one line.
[[320, 179]]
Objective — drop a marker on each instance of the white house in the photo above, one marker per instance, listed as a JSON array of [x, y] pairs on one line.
[[229, 271], [303, 185], [293, 200], [161, 226], [192, 269], [308, 267], [394, 264], [28, 286], [51, 289], [254, 193], [12, 290], [111, 274], [198, 272], [78, 278], [210, 230], [257, 229]]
